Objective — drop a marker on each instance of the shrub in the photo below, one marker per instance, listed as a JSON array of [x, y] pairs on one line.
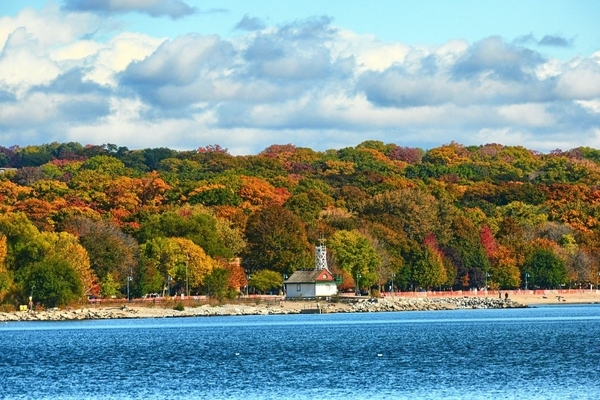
[[7, 308], [179, 306]]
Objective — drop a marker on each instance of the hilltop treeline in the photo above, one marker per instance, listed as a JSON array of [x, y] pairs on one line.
[[95, 220]]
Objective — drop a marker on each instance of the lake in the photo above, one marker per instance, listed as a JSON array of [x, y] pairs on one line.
[[547, 352]]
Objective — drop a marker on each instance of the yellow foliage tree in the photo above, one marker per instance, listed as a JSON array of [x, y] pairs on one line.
[[67, 247], [5, 279], [198, 263]]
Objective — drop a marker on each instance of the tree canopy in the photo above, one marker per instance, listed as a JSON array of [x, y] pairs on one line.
[[95, 216]]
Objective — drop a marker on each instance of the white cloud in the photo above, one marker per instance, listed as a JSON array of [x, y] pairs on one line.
[[370, 54], [591, 105], [78, 50], [116, 55], [49, 27], [527, 115], [21, 66], [306, 82], [581, 82]]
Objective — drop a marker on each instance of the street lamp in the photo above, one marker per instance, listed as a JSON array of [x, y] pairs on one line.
[[187, 282], [357, 283], [283, 284], [487, 275], [129, 279], [169, 284], [247, 283], [393, 275], [526, 276], [31, 298]]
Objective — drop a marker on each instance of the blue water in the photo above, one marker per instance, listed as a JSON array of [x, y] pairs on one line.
[[550, 352]]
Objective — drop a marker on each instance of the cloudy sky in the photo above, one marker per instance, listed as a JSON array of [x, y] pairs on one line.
[[324, 74]]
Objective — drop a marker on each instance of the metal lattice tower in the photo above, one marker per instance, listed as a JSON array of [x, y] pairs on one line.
[[320, 256]]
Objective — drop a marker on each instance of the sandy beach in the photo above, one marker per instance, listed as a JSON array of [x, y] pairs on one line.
[[552, 297], [528, 297]]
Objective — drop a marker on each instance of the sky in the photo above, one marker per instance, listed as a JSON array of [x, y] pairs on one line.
[[324, 74]]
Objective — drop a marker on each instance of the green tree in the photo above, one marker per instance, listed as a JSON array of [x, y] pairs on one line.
[[51, 282], [217, 284], [19, 232], [110, 287], [355, 254], [193, 223], [266, 280], [232, 237], [149, 278], [545, 268], [429, 270], [308, 205]]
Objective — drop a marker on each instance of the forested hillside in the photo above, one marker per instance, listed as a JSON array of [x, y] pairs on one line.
[[89, 220]]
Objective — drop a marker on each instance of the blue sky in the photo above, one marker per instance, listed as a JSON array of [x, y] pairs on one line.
[[320, 74]]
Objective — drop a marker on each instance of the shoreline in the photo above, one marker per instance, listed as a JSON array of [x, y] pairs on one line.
[[345, 305]]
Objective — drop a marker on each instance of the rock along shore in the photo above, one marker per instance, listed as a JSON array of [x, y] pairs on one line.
[[286, 307]]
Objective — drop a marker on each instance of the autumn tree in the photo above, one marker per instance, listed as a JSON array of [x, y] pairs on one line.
[[256, 193], [192, 262], [195, 224], [429, 271], [237, 275], [28, 254], [415, 212], [386, 267], [409, 155], [113, 254], [504, 271], [471, 251], [276, 240], [6, 279], [67, 248], [181, 259]]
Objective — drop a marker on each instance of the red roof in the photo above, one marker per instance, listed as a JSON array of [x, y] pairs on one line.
[[312, 276]]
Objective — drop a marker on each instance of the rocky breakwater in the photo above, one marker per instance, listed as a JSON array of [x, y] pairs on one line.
[[429, 304], [141, 312], [360, 305]]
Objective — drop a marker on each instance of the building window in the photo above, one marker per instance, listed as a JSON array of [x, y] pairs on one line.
[[324, 276], [298, 288]]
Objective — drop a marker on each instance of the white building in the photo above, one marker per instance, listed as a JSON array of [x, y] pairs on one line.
[[310, 284], [316, 283]]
